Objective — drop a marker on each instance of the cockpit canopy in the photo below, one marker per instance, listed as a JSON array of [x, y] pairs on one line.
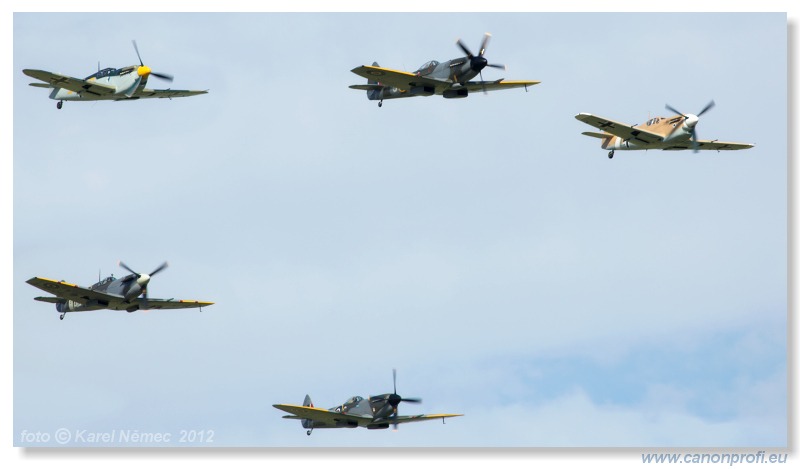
[[106, 72], [427, 67], [353, 401]]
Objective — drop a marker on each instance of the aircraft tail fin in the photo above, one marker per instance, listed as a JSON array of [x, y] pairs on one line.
[[307, 403], [374, 88], [373, 82]]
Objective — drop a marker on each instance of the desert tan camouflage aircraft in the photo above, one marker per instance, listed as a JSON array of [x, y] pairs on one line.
[[659, 133]]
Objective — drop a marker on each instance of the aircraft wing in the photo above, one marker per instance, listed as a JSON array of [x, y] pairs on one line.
[[710, 145], [398, 79], [327, 417], [147, 93], [420, 418], [69, 83], [624, 131], [153, 303], [70, 291], [475, 86]]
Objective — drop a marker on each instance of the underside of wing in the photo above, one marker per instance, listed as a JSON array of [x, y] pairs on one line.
[[398, 79], [709, 145], [69, 83], [70, 291], [420, 418], [153, 303], [474, 86], [624, 131], [147, 93], [326, 417]]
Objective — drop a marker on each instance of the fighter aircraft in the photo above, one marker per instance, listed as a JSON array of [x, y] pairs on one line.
[[451, 79], [374, 413], [107, 84], [128, 293], [658, 133]]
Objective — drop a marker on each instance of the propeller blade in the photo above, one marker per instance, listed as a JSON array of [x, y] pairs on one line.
[[502, 67], [122, 264], [694, 140], [394, 379], [464, 48], [483, 85], [159, 268], [137, 52], [413, 400], [675, 110], [483, 44], [708, 106], [163, 76]]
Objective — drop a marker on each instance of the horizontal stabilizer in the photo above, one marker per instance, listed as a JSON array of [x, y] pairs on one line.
[[368, 87], [596, 134], [50, 299]]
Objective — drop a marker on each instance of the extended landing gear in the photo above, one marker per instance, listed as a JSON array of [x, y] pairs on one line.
[[380, 104], [62, 316], [611, 154], [60, 104], [309, 432]]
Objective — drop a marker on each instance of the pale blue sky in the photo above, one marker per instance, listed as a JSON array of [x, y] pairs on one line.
[[482, 247]]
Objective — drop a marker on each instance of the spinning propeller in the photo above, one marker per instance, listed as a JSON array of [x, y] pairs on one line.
[[145, 70], [395, 399], [478, 62], [691, 120], [143, 279]]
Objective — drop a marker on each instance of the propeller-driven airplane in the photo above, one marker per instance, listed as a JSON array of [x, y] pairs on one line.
[[659, 133], [128, 293], [451, 79], [107, 84], [374, 413]]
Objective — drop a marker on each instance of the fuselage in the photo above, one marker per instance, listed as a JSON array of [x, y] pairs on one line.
[[126, 288], [379, 408], [672, 129], [125, 80], [458, 71]]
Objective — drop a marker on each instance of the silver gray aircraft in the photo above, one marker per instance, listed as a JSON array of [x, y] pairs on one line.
[[114, 84], [450, 79], [374, 413], [128, 293]]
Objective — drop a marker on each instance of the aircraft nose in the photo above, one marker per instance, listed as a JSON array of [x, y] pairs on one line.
[[143, 280], [143, 71], [691, 120], [478, 63]]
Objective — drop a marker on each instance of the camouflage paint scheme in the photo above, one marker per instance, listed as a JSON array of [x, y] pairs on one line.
[[108, 84], [128, 293], [658, 133], [373, 413], [450, 79]]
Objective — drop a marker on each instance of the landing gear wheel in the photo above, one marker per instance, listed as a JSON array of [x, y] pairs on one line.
[[380, 103], [59, 104], [611, 154], [308, 433], [61, 317]]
